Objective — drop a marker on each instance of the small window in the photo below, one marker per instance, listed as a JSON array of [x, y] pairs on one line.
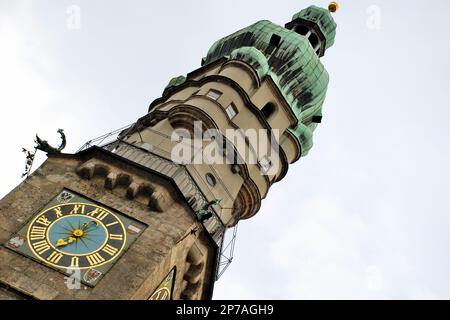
[[211, 179], [231, 111], [314, 40], [275, 40], [265, 164], [213, 94], [268, 110], [301, 29], [316, 119]]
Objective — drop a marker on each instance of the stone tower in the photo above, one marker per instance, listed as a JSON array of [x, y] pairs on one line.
[[141, 213]]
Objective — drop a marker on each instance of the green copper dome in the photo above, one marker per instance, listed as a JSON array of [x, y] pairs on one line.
[[253, 57], [290, 60], [323, 19], [290, 57], [176, 81]]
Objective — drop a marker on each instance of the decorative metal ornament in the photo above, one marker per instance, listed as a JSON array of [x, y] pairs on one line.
[[29, 159], [43, 145], [204, 213], [333, 7]]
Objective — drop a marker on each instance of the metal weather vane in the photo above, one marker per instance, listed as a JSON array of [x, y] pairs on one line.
[[42, 145], [29, 158]]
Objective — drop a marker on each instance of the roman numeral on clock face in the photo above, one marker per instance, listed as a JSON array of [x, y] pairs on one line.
[[41, 246], [75, 262], [54, 257], [77, 209], [112, 223], [95, 259], [98, 213], [110, 250], [58, 212], [44, 221], [37, 233], [116, 236]]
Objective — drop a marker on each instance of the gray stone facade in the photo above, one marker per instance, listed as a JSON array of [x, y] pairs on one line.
[[168, 241]]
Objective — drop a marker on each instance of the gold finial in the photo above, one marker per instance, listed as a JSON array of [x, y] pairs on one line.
[[333, 7]]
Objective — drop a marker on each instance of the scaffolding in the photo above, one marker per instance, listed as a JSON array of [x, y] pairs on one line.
[[224, 238]]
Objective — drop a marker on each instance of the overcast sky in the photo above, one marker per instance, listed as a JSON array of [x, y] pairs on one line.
[[364, 215]]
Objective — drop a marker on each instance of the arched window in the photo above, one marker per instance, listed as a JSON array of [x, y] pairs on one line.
[[268, 110]]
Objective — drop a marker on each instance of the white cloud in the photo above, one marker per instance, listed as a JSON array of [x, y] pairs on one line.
[[25, 94], [231, 290], [329, 253], [321, 249]]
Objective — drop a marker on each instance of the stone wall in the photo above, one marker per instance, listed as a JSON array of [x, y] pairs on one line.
[[172, 235]]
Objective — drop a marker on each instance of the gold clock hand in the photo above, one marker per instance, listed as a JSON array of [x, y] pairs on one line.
[[87, 225], [77, 234], [61, 243], [65, 242]]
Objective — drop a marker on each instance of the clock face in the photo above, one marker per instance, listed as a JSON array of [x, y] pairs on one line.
[[73, 233], [76, 235], [165, 288]]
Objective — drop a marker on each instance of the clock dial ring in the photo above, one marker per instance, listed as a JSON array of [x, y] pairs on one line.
[[45, 249], [161, 294], [122, 229]]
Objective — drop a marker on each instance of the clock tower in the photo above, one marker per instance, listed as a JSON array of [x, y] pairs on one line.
[[141, 212]]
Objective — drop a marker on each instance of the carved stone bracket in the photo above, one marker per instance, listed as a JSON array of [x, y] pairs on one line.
[[156, 197]]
